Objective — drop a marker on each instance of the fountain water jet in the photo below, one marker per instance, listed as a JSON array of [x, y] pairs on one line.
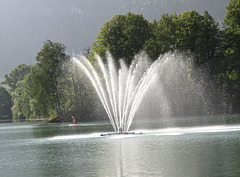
[[120, 90], [180, 89]]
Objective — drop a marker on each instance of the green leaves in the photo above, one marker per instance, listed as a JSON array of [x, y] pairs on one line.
[[5, 103], [46, 76], [51, 88], [16, 75], [163, 36], [124, 36], [232, 18], [17, 81], [188, 32], [231, 45]]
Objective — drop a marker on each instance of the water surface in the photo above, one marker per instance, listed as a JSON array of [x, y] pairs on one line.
[[38, 149]]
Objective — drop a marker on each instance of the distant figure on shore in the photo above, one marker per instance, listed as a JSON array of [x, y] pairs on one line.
[[74, 120]]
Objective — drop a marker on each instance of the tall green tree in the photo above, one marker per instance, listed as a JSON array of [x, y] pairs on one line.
[[16, 75], [188, 32], [46, 78], [209, 42], [25, 106], [197, 35], [163, 36], [124, 36], [12, 80], [232, 50], [5, 104]]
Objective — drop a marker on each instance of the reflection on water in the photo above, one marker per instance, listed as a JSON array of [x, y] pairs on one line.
[[35, 149]]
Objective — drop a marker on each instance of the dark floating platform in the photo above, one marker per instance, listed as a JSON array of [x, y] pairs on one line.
[[125, 133]]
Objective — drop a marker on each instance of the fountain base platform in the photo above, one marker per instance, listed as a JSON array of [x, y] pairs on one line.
[[124, 133]]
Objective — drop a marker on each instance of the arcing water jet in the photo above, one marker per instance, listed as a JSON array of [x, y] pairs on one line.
[[120, 89], [181, 89]]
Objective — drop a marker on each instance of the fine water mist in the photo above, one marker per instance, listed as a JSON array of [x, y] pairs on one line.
[[169, 86], [182, 89]]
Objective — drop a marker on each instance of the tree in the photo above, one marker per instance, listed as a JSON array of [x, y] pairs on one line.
[[188, 32], [46, 78], [197, 35], [163, 36], [16, 75], [209, 41], [12, 80], [232, 50], [25, 106], [124, 36], [19, 86], [5, 103]]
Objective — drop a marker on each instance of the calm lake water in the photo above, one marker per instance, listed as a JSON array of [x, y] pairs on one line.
[[38, 149]]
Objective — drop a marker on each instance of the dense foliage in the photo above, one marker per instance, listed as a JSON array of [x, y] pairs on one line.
[[123, 36], [231, 51], [5, 104], [54, 87], [46, 77], [18, 90]]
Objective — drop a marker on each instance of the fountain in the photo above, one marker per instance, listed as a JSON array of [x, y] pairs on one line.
[[122, 88]]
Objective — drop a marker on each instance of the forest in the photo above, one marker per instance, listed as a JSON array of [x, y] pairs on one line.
[[56, 89]]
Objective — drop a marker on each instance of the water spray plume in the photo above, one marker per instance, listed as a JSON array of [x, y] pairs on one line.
[[121, 89], [182, 89]]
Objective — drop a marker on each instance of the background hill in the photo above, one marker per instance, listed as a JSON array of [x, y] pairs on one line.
[[26, 24]]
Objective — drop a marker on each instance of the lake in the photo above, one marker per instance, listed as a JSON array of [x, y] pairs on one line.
[[187, 147]]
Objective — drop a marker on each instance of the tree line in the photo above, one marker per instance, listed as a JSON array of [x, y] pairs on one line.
[[55, 88], [52, 88]]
